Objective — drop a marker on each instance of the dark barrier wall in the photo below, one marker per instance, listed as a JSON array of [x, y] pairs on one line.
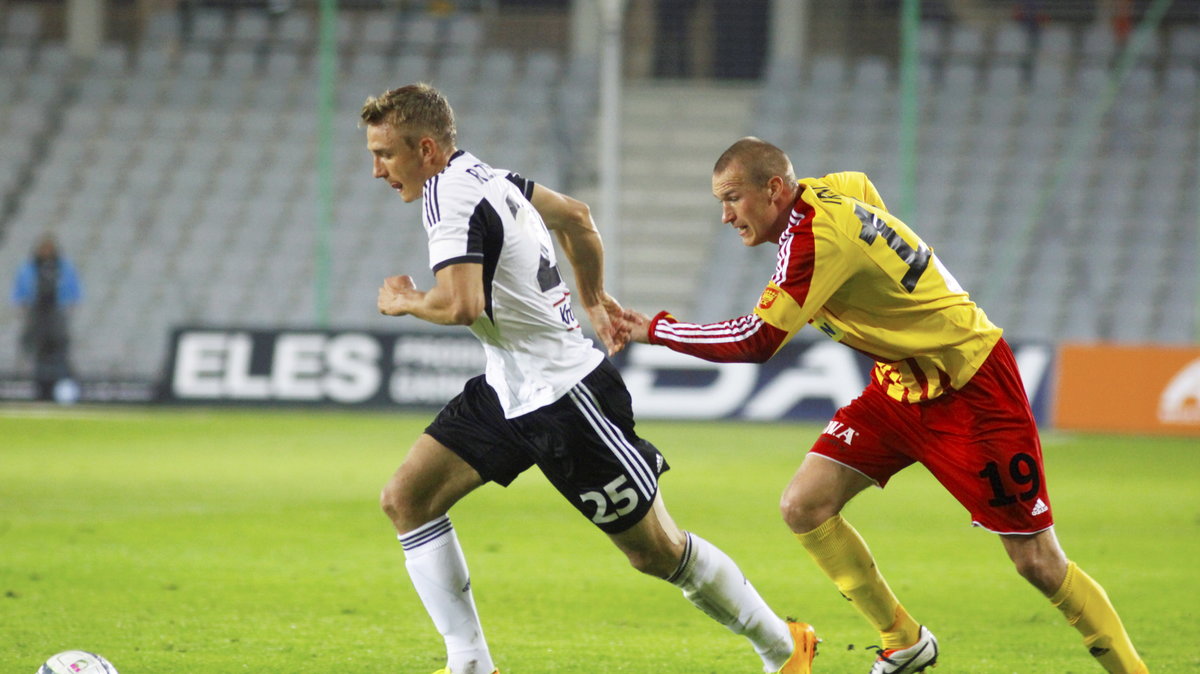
[[805, 381]]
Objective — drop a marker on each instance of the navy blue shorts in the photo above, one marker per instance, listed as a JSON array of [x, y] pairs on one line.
[[584, 443]]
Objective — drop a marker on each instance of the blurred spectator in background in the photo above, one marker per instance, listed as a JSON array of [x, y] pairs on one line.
[[45, 287]]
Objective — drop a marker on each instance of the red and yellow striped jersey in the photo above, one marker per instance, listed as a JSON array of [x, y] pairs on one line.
[[864, 278]]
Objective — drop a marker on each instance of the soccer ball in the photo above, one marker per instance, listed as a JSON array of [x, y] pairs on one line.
[[77, 662]]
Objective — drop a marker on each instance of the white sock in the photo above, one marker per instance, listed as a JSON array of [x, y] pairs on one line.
[[438, 570], [714, 584]]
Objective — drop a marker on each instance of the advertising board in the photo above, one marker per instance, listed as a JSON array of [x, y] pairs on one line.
[[804, 381], [1145, 389]]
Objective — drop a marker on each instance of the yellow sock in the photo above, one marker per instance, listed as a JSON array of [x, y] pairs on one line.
[[843, 555], [1087, 608]]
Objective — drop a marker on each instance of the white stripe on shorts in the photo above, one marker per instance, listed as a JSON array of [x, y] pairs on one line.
[[635, 464]]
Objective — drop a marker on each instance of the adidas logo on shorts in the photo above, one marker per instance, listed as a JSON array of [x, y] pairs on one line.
[[1039, 508]]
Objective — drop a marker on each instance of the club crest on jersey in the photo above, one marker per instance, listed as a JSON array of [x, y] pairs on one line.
[[769, 295], [840, 431]]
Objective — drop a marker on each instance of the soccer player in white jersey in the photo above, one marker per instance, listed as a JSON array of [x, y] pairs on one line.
[[548, 396]]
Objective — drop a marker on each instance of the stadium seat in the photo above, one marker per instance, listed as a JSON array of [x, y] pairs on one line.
[[295, 29], [209, 25], [464, 32], [930, 41], [968, 43], [250, 26], [1056, 43], [161, 28], [377, 33], [1183, 45], [24, 24], [1012, 42], [1099, 44]]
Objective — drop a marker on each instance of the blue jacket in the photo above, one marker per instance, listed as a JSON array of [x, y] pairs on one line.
[[25, 287]]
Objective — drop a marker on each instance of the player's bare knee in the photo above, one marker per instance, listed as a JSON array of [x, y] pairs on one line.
[[657, 563], [388, 502], [1042, 571], [1039, 560], [652, 565], [399, 507], [803, 515], [640, 561], [1030, 570]]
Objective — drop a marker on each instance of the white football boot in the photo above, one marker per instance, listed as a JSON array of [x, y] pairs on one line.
[[915, 658]]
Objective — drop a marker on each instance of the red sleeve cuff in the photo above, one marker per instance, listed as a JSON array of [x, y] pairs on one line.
[[652, 329]]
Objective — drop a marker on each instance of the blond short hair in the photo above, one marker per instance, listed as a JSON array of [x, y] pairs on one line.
[[417, 110]]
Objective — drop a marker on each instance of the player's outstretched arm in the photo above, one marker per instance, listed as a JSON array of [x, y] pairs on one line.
[[572, 224], [746, 339]]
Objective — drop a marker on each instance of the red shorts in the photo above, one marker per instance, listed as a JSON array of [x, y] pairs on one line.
[[980, 442]]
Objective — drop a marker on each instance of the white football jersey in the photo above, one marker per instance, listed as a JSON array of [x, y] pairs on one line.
[[535, 348]]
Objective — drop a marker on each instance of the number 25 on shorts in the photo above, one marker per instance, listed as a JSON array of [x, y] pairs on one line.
[[613, 502]]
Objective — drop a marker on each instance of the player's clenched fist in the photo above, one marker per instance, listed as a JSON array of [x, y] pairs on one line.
[[395, 294]]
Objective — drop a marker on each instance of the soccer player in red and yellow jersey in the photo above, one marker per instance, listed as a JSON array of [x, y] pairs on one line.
[[945, 392]]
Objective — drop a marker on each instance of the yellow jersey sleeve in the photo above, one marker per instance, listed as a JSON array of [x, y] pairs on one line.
[[864, 278]]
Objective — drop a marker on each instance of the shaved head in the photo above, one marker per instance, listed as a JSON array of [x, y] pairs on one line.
[[759, 160]]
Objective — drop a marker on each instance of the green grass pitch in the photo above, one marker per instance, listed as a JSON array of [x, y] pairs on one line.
[[227, 541]]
